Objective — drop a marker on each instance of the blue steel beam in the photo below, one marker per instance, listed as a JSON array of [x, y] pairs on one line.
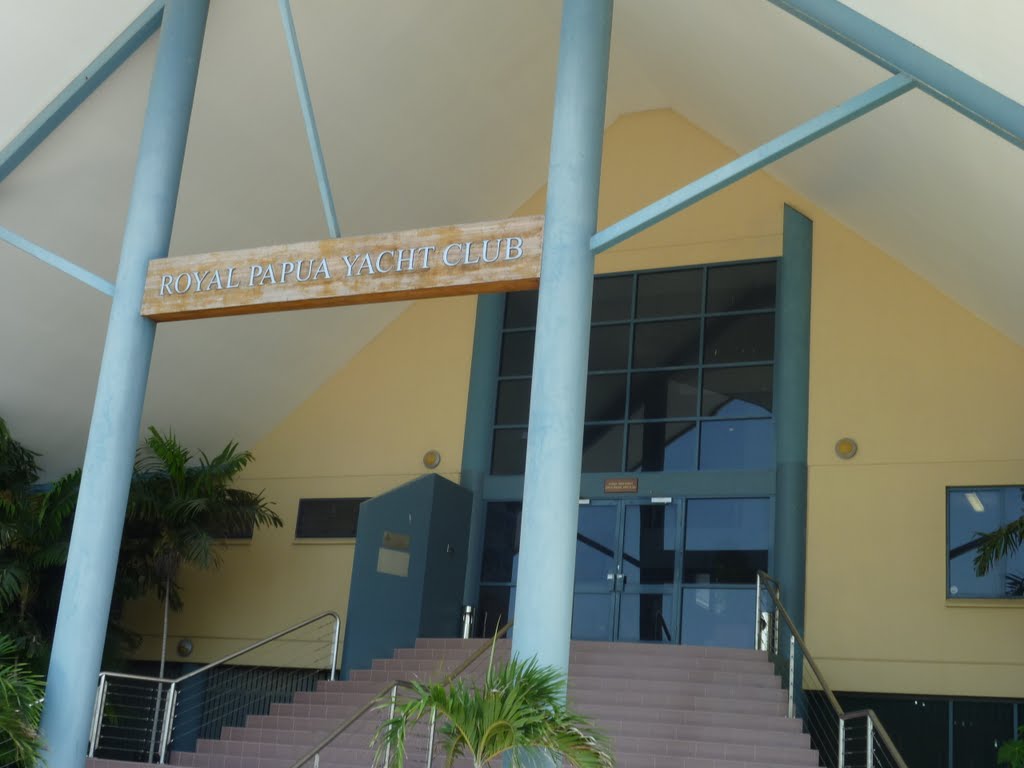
[[954, 88], [78, 90], [554, 447], [117, 413], [319, 166], [65, 266], [753, 161]]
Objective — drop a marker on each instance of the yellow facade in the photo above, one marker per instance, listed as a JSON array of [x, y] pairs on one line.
[[924, 387]]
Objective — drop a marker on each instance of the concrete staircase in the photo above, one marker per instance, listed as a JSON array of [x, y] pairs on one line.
[[663, 706]]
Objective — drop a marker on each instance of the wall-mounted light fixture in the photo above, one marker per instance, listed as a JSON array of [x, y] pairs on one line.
[[432, 459], [184, 647], [846, 448]]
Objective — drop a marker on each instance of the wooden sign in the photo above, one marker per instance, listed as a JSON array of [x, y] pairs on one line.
[[622, 485], [441, 261]]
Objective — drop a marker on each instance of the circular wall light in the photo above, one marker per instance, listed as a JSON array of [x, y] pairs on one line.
[[846, 448], [432, 459], [184, 647]]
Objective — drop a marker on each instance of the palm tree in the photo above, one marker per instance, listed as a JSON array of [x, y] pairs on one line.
[[998, 544], [21, 693], [34, 532], [518, 710], [179, 509]]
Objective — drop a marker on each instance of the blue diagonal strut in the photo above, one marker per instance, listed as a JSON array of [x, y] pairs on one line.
[[954, 88], [138, 32], [753, 161], [65, 266], [319, 166]]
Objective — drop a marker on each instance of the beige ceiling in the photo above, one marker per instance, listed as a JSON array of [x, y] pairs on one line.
[[437, 112]]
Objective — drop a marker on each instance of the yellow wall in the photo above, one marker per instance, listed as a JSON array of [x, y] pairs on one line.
[[926, 389]]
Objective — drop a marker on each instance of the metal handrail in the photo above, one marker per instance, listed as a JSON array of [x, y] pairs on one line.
[[763, 577], [314, 752], [101, 691], [875, 725]]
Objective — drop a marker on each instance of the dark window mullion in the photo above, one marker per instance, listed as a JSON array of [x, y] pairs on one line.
[[629, 377], [700, 368]]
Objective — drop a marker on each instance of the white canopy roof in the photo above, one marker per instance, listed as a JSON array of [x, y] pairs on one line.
[[441, 113]]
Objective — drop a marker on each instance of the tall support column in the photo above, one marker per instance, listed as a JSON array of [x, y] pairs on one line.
[[547, 552], [476, 443], [792, 369], [114, 431]]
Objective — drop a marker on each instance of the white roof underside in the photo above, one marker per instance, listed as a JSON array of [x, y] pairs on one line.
[[419, 112]]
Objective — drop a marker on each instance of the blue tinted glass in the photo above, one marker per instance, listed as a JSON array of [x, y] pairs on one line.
[[661, 446], [646, 618], [974, 512], [591, 617], [718, 617], [595, 543], [746, 444], [722, 524]]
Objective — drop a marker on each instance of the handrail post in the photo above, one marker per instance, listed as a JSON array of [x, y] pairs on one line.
[[335, 642], [842, 743], [169, 707], [97, 714], [757, 615], [391, 714], [430, 738], [792, 673], [871, 744]]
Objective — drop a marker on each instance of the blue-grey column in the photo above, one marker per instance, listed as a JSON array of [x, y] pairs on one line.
[[114, 431], [547, 553], [476, 442], [792, 369]]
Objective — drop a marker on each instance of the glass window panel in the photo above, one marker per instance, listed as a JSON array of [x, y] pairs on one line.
[[739, 338], [613, 298], [595, 545], [649, 544], [972, 513], [737, 392], [495, 608], [741, 286], [646, 618], [744, 444], [606, 397], [509, 452], [979, 727], [664, 294], [602, 448], [501, 541], [717, 617], [521, 309], [513, 405], [609, 348], [326, 518], [666, 344], [663, 395], [516, 354], [662, 446], [591, 617], [725, 540]]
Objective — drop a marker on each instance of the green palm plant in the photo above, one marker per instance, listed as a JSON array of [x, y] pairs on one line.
[[21, 695], [180, 508], [518, 711], [998, 544]]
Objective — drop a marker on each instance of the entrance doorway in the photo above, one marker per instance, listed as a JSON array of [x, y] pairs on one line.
[[669, 570]]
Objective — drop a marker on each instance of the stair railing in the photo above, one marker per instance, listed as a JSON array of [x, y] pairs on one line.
[[140, 712], [390, 694], [843, 739]]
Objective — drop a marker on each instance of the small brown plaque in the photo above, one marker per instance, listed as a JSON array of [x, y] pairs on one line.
[[622, 485]]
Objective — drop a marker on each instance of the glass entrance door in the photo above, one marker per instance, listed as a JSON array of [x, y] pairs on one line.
[[627, 561]]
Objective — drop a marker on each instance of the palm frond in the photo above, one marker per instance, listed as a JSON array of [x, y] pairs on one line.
[[1000, 543], [519, 708]]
